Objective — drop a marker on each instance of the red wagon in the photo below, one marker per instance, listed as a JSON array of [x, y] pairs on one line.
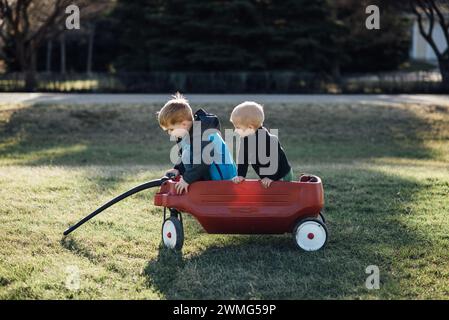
[[247, 208]]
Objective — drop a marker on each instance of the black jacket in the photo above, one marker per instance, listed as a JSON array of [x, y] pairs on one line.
[[196, 172], [245, 154]]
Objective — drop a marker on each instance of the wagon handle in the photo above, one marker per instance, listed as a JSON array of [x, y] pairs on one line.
[[144, 186]]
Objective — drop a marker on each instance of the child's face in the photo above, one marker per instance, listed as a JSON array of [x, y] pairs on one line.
[[244, 131], [178, 130]]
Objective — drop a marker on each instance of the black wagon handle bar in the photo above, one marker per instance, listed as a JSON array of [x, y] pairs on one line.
[[143, 186]]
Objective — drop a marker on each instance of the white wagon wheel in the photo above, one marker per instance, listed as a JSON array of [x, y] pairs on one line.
[[172, 233], [310, 234]]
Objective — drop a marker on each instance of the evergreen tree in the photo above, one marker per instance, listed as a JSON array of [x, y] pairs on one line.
[[251, 35], [212, 35], [373, 50]]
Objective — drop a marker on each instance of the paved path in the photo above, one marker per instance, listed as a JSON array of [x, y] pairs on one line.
[[51, 98]]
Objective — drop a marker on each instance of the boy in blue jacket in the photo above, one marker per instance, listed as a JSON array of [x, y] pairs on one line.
[[194, 133]]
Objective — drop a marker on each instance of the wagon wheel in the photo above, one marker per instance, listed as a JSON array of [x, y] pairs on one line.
[[173, 233], [321, 217], [310, 234]]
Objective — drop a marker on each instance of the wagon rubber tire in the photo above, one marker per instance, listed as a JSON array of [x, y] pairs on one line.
[[322, 217], [172, 233], [310, 234]]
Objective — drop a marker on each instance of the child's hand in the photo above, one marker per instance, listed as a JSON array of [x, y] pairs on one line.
[[174, 171], [181, 186], [238, 179], [266, 182]]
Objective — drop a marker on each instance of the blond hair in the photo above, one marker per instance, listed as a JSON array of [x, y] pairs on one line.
[[248, 113], [175, 111]]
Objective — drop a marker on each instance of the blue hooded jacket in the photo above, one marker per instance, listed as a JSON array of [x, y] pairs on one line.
[[221, 168]]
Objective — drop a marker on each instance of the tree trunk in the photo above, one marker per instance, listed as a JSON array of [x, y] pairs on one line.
[[443, 63], [27, 60], [30, 74], [62, 43], [336, 73], [30, 81], [90, 49], [49, 52]]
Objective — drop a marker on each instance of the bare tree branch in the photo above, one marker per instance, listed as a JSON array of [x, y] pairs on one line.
[[424, 34], [29, 22], [39, 33], [7, 13], [442, 21], [26, 18], [423, 4], [2, 34]]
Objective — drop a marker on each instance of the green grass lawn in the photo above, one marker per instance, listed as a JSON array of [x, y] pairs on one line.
[[385, 171]]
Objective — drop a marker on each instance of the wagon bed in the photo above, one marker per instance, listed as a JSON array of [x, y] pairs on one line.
[[248, 207]]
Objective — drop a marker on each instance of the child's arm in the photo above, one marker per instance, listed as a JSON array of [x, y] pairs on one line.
[[242, 158], [283, 166], [242, 164], [238, 179], [195, 172], [172, 171], [192, 173], [181, 186], [266, 182], [242, 169], [180, 167], [281, 162]]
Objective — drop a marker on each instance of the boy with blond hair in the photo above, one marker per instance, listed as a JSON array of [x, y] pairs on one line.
[[177, 119], [256, 145]]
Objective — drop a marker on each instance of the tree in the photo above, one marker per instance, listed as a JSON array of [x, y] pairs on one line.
[[373, 50], [434, 11], [321, 36], [27, 24], [213, 35]]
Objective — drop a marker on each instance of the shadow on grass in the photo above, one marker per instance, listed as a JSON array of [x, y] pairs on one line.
[[72, 245], [129, 134], [364, 210], [82, 135]]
